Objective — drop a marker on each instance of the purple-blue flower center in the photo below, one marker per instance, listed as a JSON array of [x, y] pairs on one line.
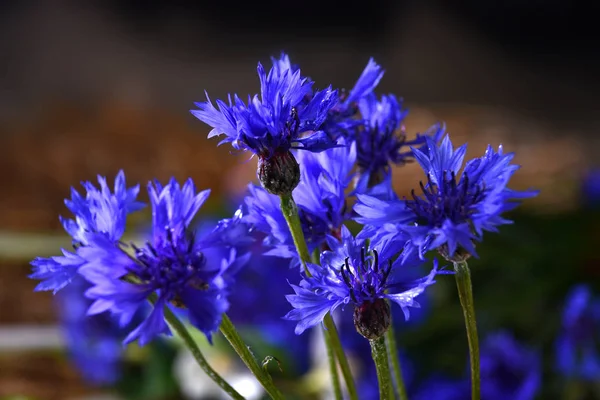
[[453, 201], [171, 266], [366, 280]]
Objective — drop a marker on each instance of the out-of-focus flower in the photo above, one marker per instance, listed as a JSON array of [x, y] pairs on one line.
[[257, 302], [453, 211], [93, 342], [577, 354], [509, 370], [591, 187]]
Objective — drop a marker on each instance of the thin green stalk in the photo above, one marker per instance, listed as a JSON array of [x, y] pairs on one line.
[[189, 342], [231, 334], [465, 293], [336, 344], [380, 357], [290, 213], [333, 369], [390, 337]]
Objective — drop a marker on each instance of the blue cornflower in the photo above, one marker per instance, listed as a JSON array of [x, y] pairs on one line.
[[351, 273], [453, 211], [320, 196], [172, 265], [382, 141], [93, 342], [577, 354], [100, 212], [288, 114]]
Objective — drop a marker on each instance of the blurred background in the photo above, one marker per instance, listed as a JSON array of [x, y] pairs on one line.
[[92, 87]]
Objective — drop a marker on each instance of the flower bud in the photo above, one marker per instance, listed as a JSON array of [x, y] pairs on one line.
[[280, 173], [372, 319]]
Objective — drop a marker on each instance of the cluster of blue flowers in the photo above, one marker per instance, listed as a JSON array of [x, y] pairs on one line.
[[334, 153]]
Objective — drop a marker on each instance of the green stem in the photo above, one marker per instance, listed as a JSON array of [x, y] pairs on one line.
[[465, 293], [333, 369], [380, 357], [395, 361], [290, 213], [181, 330], [336, 344], [231, 334]]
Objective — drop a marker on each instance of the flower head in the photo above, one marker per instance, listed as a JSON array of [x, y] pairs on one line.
[[577, 353], [275, 121], [453, 210], [172, 266], [382, 141], [100, 212], [351, 273]]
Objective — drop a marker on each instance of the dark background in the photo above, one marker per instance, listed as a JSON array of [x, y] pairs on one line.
[[92, 87]]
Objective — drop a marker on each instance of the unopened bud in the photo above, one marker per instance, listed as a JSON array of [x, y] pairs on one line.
[[280, 173], [372, 319]]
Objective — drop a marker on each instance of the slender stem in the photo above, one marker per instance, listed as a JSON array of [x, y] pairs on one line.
[[465, 293], [380, 357], [395, 361], [336, 344], [290, 213], [182, 331], [333, 369], [231, 334]]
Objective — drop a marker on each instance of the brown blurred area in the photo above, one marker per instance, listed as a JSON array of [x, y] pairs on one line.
[[94, 99]]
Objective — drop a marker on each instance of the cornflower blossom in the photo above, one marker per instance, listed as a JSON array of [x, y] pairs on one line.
[[321, 200], [352, 273], [101, 213], [287, 114], [172, 266], [453, 210], [343, 118], [577, 352], [382, 141]]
